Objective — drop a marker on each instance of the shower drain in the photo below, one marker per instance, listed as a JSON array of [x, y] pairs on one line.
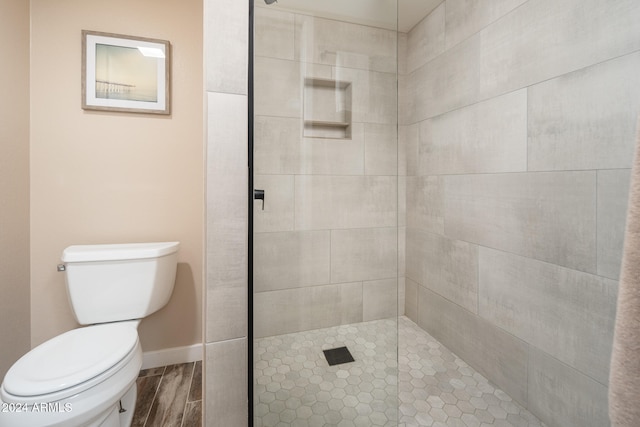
[[338, 356]]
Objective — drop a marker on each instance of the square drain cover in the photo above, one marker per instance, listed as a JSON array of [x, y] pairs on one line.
[[337, 356]]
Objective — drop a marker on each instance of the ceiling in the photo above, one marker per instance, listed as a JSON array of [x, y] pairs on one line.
[[377, 13]]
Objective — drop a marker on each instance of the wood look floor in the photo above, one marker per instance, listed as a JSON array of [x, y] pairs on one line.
[[169, 396]]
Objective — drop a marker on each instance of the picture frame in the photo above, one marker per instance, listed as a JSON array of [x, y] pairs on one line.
[[125, 73]]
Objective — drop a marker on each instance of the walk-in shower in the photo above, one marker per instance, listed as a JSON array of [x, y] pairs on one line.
[[439, 209], [326, 232]]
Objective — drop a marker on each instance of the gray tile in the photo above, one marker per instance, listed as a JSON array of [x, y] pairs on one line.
[[303, 309], [411, 299], [226, 40], [226, 383], [486, 137], [278, 88], [448, 82], [613, 195], [447, 267], [402, 53], [374, 94], [364, 254], [566, 313], [586, 119], [425, 41], [488, 349], [277, 212], [425, 203], [281, 149], [334, 42], [227, 217], [226, 316], [467, 17], [381, 149], [291, 259], [274, 33], [380, 299], [549, 216], [326, 202], [561, 396], [277, 145], [409, 139], [546, 38]]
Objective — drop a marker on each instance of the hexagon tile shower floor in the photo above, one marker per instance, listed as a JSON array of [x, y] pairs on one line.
[[295, 386]]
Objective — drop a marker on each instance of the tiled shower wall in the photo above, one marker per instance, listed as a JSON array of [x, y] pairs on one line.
[[226, 64], [518, 119], [326, 242]]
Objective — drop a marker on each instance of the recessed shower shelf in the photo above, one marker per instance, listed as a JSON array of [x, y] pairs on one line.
[[327, 108]]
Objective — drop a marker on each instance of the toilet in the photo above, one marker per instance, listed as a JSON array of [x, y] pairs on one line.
[[87, 376]]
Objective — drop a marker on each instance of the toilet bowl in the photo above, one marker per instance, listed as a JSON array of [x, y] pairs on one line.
[[86, 376]]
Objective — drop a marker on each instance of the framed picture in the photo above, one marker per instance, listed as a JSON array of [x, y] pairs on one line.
[[125, 73]]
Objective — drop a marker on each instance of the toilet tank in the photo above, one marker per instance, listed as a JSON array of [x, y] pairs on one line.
[[109, 283]]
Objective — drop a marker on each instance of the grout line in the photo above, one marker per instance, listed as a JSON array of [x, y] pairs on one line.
[[146, 418], [186, 400]]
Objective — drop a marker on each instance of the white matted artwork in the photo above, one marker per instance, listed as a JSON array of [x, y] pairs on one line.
[[125, 73]]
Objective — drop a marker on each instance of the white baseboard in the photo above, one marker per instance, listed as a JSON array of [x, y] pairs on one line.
[[172, 356]]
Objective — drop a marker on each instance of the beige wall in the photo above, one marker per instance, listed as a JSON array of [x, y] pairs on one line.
[[115, 177], [14, 183]]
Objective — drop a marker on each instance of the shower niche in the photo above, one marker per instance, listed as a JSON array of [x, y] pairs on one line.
[[327, 108]]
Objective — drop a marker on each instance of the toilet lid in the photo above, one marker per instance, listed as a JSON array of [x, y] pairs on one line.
[[70, 359]]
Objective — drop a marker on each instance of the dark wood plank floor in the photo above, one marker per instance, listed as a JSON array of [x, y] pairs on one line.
[[169, 396]]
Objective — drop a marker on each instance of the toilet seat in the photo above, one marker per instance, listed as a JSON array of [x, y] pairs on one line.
[[70, 363]]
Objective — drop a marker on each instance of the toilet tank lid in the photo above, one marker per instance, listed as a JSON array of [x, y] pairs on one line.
[[114, 252]]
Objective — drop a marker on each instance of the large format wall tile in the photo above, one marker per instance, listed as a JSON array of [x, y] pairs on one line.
[[227, 217], [486, 137], [425, 41], [303, 309], [448, 82], [566, 313], [613, 195], [380, 299], [364, 254], [448, 267], [381, 149], [408, 139], [561, 396], [411, 299], [332, 42], [491, 351], [279, 148], [466, 17], [290, 260], [277, 145], [543, 39], [425, 203], [278, 88], [226, 37], [586, 119], [549, 216], [373, 95], [226, 385], [326, 202], [274, 33], [277, 212]]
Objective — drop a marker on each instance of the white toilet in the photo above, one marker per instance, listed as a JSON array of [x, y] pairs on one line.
[[87, 376]]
